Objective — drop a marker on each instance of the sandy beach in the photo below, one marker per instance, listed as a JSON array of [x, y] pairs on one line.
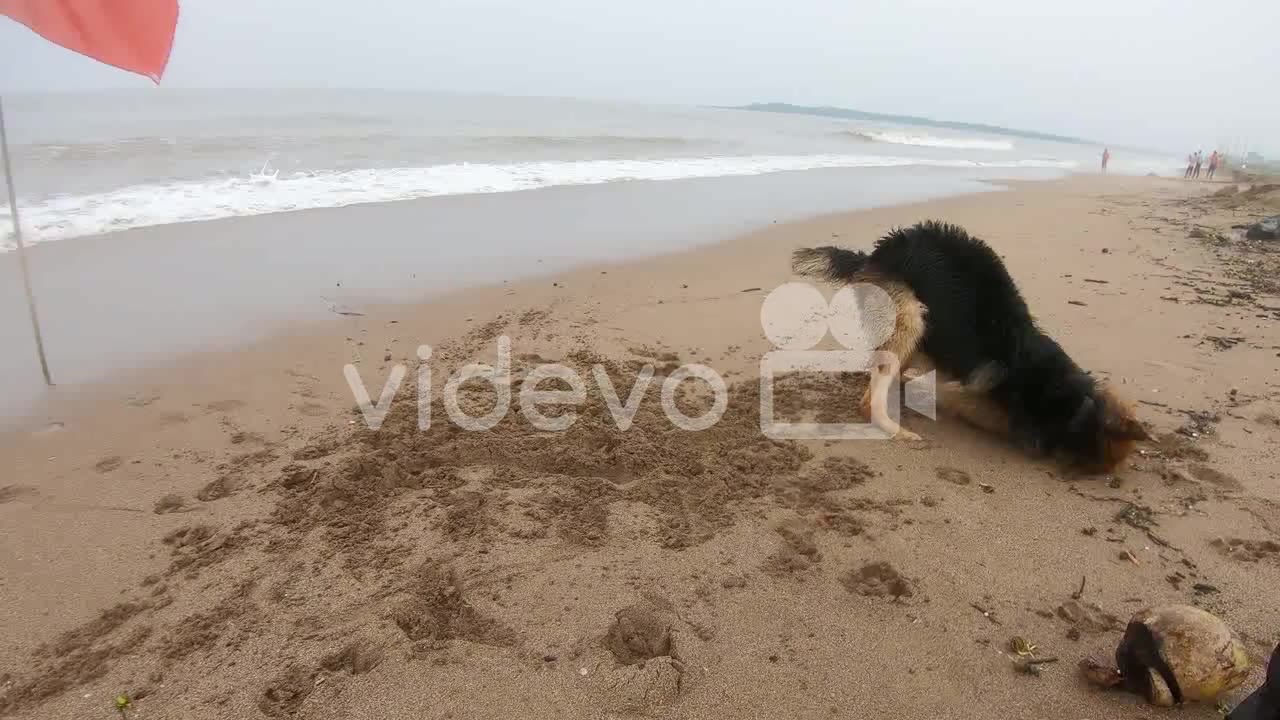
[[222, 537]]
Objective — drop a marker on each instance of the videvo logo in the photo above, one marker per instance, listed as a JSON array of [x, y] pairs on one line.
[[795, 317], [861, 317]]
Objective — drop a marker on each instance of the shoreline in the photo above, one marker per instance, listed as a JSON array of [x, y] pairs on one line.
[[544, 539], [234, 281]]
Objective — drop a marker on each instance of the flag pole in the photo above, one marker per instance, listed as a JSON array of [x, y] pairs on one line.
[[22, 248]]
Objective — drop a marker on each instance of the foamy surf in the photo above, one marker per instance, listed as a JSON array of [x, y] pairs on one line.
[[263, 193], [958, 143]]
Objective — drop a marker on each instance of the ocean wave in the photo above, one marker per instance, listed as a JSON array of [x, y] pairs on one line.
[[66, 216], [900, 138], [134, 148], [575, 140]]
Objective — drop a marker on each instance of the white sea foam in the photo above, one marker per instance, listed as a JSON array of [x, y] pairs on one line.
[[136, 206], [959, 143]]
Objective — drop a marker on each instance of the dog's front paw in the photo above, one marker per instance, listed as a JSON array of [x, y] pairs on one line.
[[907, 436]]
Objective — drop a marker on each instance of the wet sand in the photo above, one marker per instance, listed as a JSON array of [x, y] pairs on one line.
[[134, 299], [221, 539]]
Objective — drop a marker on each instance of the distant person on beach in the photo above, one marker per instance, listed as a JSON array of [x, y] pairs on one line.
[[1191, 165], [1199, 154], [1213, 165], [1106, 157]]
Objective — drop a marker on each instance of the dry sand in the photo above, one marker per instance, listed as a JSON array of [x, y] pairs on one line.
[[222, 539]]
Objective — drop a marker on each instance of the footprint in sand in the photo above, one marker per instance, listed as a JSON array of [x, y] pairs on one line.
[[108, 464], [878, 579], [1215, 477], [952, 475], [311, 409], [172, 418], [1246, 550], [222, 487], [171, 503], [9, 493], [224, 405]]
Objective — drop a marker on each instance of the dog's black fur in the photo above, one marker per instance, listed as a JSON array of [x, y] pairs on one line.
[[979, 329]]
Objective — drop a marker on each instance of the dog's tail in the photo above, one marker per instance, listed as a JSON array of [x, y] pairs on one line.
[[828, 263]]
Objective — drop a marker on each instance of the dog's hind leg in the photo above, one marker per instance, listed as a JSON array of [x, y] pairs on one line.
[[973, 406], [895, 353]]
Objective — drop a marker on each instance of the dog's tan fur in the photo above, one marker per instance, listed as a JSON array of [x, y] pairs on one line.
[[904, 331]]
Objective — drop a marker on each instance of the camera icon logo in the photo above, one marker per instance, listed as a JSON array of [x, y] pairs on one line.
[[861, 317]]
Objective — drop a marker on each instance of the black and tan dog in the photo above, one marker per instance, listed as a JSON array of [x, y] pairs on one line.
[[958, 311]]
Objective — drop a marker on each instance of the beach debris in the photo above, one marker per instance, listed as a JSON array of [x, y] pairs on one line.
[[987, 488], [988, 614], [1032, 665], [1223, 342], [1199, 233], [1199, 422], [1171, 655], [1265, 229], [1021, 646], [1088, 617], [1077, 302], [1139, 517], [1024, 657], [1099, 282], [1079, 593]]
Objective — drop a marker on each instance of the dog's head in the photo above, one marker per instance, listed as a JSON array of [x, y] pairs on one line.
[[1102, 430]]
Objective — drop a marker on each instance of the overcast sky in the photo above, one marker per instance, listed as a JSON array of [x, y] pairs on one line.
[[1156, 73]]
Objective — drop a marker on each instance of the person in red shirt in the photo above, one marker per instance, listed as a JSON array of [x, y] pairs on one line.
[[1106, 157]]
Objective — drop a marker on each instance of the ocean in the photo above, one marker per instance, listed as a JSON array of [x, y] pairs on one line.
[[93, 163]]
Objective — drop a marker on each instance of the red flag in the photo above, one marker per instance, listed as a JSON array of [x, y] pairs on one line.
[[135, 35]]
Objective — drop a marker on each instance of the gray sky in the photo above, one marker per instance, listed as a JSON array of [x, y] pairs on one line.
[[1157, 73]]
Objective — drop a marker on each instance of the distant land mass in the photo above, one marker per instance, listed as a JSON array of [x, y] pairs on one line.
[[905, 120]]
